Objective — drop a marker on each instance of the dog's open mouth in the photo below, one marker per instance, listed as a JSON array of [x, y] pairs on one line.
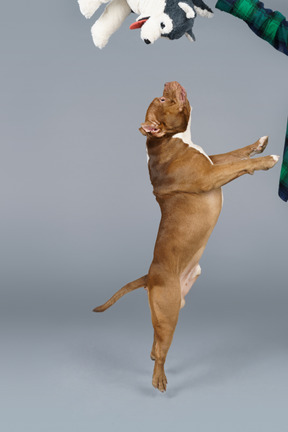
[[138, 24]]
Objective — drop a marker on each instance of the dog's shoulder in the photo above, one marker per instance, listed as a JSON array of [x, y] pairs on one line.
[[193, 148]]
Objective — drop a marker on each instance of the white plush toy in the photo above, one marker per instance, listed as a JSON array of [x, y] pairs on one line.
[[157, 18]]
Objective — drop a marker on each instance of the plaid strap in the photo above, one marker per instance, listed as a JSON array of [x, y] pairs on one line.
[[283, 186]]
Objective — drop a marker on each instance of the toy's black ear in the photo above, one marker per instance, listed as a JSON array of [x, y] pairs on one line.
[[202, 9], [189, 11], [190, 35]]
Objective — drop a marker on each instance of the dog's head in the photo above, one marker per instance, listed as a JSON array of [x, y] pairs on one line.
[[168, 114]]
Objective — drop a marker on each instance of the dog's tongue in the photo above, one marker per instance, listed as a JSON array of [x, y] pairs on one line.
[[138, 24]]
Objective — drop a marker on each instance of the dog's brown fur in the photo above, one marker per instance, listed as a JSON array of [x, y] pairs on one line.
[[187, 186]]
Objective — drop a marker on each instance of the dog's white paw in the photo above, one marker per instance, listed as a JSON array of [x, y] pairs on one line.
[[263, 141], [89, 7], [261, 145]]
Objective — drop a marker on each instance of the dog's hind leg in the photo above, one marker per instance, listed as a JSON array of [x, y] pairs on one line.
[[164, 301], [152, 355]]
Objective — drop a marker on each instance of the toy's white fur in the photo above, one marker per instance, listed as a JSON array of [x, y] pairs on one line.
[[111, 19], [187, 9], [117, 11], [152, 30], [89, 7], [203, 13]]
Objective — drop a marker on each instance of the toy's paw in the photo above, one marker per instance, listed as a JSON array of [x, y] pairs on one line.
[[98, 35], [204, 12], [89, 7]]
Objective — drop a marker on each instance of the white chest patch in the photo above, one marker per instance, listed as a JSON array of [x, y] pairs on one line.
[[186, 138], [147, 154]]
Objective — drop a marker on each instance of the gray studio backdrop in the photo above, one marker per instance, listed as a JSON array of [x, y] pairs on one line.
[[78, 221]]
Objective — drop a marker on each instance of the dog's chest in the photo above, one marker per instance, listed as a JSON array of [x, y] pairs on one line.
[[186, 138]]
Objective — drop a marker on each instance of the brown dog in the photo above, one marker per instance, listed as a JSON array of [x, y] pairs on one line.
[[187, 185]]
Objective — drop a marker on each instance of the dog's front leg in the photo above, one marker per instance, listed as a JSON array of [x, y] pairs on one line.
[[111, 19], [217, 176], [242, 153]]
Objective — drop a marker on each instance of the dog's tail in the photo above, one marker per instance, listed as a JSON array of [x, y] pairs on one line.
[[131, 286]]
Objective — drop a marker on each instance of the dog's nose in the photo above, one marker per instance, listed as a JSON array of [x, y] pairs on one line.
[[147, 41]]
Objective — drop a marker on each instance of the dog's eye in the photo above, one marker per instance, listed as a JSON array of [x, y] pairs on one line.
[[162, 25], [162, 99]]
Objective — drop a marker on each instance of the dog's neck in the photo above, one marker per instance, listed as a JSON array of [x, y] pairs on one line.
[[186, 138], [154, 145], [186, 135]]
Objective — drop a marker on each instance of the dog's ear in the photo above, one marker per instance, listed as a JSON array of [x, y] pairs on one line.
[[153, 129], [181, 97]]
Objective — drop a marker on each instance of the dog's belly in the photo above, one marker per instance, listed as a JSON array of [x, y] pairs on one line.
[[186, 225]]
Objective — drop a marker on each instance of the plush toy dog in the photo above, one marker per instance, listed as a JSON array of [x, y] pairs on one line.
[[157, 18]]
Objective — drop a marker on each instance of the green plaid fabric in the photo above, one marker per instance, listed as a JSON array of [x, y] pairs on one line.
[[283, 186], [272, 27], [267, 24]]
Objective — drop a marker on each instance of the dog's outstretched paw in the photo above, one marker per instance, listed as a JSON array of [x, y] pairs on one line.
[[269, 162], [260, 146]]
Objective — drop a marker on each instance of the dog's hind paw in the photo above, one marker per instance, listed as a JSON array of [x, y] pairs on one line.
[[159, 380]]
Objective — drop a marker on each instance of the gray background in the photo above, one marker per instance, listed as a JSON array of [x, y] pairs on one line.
[[78, 221]]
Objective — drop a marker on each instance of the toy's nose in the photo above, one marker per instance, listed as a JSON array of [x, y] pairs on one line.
[[147, 41]]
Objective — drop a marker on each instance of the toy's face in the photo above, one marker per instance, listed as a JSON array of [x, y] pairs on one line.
[[155, 27], [172, 26]]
